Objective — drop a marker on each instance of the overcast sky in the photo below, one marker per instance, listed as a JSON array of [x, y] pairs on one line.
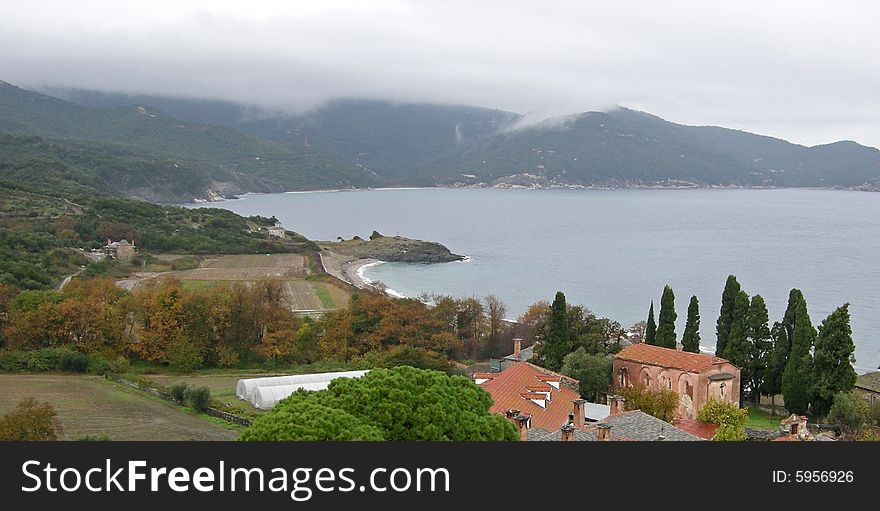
[[801, 70]]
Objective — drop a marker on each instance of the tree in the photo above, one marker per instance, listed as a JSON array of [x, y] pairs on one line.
[[651, 328], [797, 377], [690, 340], [402, 403], [660, 403], [737, 349], [731, 420], [832, 361], [556, 342], [758, 335], [495, 311], [722, 326], [850, 412], [305, 420], [592, 371], [30, 421], [666, 325], [776, 362]]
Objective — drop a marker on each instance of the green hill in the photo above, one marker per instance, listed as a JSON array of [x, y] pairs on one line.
[[421, 144], [220, 160]]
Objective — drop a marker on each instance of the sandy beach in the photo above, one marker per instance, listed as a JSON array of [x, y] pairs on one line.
[[346, 268]]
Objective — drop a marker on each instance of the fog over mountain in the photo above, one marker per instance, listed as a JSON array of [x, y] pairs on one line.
[[805, 71]]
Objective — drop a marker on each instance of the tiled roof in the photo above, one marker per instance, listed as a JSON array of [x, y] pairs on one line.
[[542, 435], [701, 429], [638, 425], [668, 357], [870, 381], [508, 387], [525, 354]]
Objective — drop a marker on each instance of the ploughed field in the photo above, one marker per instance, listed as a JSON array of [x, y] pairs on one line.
[[304, 290], [91, 405]]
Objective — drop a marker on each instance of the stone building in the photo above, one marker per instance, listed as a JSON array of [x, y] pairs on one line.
[[868, 386], [695, 377], [277, 230], [122, 250]]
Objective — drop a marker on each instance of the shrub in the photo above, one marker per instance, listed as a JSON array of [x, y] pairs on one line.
[[227, 357], [730, 418], [660, 403], [103, 367], [94, 438], [850, 412], [30, 421], [178, 390], [42, 360], [73, 361], [12, 361], [197, 397]]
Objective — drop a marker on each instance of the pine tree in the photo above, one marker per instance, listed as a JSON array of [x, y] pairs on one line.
[[758, 333], [779, 353], [738, 350], [833, 359], [651, 327], [690, 340], [722, 326], [666, 324], [556, 344], [796, 379]]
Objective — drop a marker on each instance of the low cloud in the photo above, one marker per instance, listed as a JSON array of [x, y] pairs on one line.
[[805, 71]]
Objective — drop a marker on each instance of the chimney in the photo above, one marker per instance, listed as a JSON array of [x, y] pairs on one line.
[[517, 347], [567, 433], [522, 423], [603, 432], [616, 403], [578, 410]]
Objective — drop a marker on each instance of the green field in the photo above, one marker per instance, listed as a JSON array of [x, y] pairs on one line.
[[91, 405], [759, 419]]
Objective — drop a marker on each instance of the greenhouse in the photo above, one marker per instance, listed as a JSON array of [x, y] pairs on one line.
[[265, 398], [245, 388]]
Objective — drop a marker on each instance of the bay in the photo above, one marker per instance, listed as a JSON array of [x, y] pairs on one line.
[[614, 250]]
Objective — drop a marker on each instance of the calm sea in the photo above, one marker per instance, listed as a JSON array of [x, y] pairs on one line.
[[614, 250]]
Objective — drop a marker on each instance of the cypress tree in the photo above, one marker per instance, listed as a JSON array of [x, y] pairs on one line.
[[651, 327], [776, 362], [666, 325], [798, 374], [556, 346], [833, 359], [722, 326], [779, 353], [690, 340], [758, 333], [738, 350]]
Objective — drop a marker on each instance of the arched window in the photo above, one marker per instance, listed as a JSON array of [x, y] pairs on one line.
[[623, 377]]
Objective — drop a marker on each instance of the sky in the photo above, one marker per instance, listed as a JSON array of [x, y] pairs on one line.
[[804, 71]]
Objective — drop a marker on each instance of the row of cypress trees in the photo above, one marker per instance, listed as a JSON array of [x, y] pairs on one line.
[[808, 367]]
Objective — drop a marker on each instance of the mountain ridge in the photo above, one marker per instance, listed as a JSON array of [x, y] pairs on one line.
[[374, 143]]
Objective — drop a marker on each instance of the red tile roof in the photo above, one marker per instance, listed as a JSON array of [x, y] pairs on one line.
[[704, 430], [507, 389], [668, 357]]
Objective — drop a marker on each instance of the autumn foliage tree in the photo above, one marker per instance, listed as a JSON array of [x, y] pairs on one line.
[[31, 420]]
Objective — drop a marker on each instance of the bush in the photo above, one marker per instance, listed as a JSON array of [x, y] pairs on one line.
[[178, 390], [850, 412], [12, 361], [730, 418], [42, 360], [197, 397], [74, 362], [30, 421], [103, 367], [660, 403]]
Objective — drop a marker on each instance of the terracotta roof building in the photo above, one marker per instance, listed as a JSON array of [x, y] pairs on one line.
[[695, 377], [545, 406], [544, 395]]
